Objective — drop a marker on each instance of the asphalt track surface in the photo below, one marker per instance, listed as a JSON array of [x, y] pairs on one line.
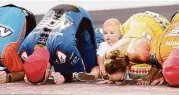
[[91, 88]]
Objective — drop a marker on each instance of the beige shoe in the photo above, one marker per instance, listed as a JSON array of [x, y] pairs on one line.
[[51, 80], [84, 76], [5, 79]]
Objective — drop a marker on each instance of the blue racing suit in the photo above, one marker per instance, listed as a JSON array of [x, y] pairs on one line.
[[68, 33], [15, 24]]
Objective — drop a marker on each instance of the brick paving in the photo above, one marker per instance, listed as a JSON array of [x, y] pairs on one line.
[[84, 88]]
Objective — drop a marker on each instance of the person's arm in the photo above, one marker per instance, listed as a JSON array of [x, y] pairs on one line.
[[153, 71], [120, 45], [100, 57], [69, 63], [57, 78], [100, 61], [64, 66], [148, 79], [139, 51], [158, 79]]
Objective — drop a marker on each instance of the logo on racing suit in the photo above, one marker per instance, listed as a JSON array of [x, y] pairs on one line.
[[61, 56], [172, 43], [53, 21], [73, 59], [147, 36], [174, 32], [5, 31], [24, 56]]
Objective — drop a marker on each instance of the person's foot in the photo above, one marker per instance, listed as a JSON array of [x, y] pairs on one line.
[[84, 76], [4, 77], [3, 80]]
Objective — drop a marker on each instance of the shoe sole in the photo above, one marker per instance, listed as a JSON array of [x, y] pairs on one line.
[[85, 77]]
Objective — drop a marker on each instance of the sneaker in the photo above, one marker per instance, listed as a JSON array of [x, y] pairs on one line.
[[84, 76], [5, 79]]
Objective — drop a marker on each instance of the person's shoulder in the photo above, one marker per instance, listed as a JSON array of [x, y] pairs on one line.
[[104, 44]]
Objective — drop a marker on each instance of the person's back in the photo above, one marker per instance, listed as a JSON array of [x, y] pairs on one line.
[[168, 54], [11, 33], [141, 29], [169, 41], [63, 29], [67, 32], [15, 24]]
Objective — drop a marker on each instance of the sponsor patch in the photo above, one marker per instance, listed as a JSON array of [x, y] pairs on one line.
[[148, 36], [62, 57], [5, 31], [24, 55], [53, 22], [172, 43], [174, 32]]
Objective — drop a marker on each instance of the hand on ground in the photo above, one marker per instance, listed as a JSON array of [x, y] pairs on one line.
[[58, 78], [102, 70], [158, 81], [143, 82]]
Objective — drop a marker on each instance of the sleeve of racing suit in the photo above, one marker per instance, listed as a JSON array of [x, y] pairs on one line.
[[68, 63], [22, 51]]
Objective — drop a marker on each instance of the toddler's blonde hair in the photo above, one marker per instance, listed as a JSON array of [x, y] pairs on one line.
[[113, 22]]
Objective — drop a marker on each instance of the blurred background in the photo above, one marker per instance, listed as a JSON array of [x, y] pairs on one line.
[[102, 10]]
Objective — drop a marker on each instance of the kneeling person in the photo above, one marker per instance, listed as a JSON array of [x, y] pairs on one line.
[[140, 30], [66, 36], [15, 23]]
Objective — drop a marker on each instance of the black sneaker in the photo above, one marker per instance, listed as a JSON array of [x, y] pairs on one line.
[[84, 76]]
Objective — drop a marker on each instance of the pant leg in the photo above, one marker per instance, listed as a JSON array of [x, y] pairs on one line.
[[88, 50]]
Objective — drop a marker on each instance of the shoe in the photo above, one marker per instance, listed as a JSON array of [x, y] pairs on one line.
[[5, 79], [84, 76]]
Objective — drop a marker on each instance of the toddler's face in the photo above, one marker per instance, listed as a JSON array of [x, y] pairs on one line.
[[111, 34]]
